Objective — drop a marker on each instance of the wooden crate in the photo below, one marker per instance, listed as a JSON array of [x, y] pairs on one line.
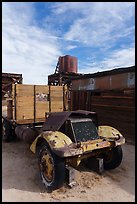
[[56, 98], [31, 102]]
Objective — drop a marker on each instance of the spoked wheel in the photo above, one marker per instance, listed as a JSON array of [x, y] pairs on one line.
[[52, 167], [47, 166], [113, 158]]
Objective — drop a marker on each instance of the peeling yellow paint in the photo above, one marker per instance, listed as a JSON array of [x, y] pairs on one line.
[[108, 132], [55, 140]]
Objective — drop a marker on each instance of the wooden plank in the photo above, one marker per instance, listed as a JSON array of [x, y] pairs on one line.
[[29, 121], [38, 97], [24, 112], [42, 100], [24, 87], [13, 100], [24, 102], [55, 109], [24, 90], [42, 106], [42, 88], [56, 88], [56, 106], [41, 109], [56, 98], [54, 93], [57, 103]]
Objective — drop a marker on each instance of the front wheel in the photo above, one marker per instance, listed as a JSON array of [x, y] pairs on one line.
[[52, 167], [113, 158]]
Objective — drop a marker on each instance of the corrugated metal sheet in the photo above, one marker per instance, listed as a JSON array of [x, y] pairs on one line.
[[114, 108], [117, 81]]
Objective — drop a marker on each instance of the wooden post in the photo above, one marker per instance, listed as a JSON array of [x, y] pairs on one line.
[[9, 109]]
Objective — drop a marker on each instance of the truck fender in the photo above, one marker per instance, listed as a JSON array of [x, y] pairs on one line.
[[56, 140], [112, 134], [108, 132]]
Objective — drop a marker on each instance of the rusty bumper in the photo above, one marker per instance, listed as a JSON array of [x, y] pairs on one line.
[[87, 147]]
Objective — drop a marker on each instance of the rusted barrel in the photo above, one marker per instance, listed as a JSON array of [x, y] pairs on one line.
[[26, 134]]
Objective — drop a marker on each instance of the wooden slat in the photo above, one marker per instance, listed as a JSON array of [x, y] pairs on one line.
[[41, 108], [24, 102], [46, 99], [56, 88], [42, 88], [13, 100], [56, 106], [42, 103]]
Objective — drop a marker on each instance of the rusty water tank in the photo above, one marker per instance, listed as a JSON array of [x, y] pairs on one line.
[[68, 64]]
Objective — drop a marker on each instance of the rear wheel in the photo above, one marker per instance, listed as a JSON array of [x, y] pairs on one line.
[[113, 158], [52, 167], [7, 134]]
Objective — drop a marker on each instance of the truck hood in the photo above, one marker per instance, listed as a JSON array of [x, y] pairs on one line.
[[57, 119]]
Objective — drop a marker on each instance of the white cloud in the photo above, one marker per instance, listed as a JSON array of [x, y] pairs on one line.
[[70, 47], [120, 58], [116, 59], [34, 51], [27, 49], [99, 23]]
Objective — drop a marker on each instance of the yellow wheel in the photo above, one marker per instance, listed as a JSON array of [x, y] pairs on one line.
[[52, 167], [47, 165]]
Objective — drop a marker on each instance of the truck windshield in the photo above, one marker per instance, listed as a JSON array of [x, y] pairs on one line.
[[85, 130]]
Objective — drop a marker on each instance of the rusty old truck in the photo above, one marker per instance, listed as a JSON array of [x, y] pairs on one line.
[[60, 138]]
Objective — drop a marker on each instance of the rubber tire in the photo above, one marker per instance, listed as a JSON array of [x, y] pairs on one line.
[[8, 135], [59, 170], [116, 159]]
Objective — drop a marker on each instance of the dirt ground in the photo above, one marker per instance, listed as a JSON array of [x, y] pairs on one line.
[[21, 180]]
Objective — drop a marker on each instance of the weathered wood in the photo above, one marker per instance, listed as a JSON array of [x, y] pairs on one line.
[[57, 106], [31, 102]]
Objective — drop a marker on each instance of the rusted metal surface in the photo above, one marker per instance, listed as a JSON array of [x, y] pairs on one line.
[[67, 64], [70, 171], [109, 132], [114, 108], [26, 134], [111, 94], [56, 120], [64, 147], [54, 139], [62, 78], [96, 164], [123, 120], [109, 72], [7, 80], [108, 82], [87, 147]]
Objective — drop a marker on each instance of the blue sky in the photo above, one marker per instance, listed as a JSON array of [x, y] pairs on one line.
[[34, 34]]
